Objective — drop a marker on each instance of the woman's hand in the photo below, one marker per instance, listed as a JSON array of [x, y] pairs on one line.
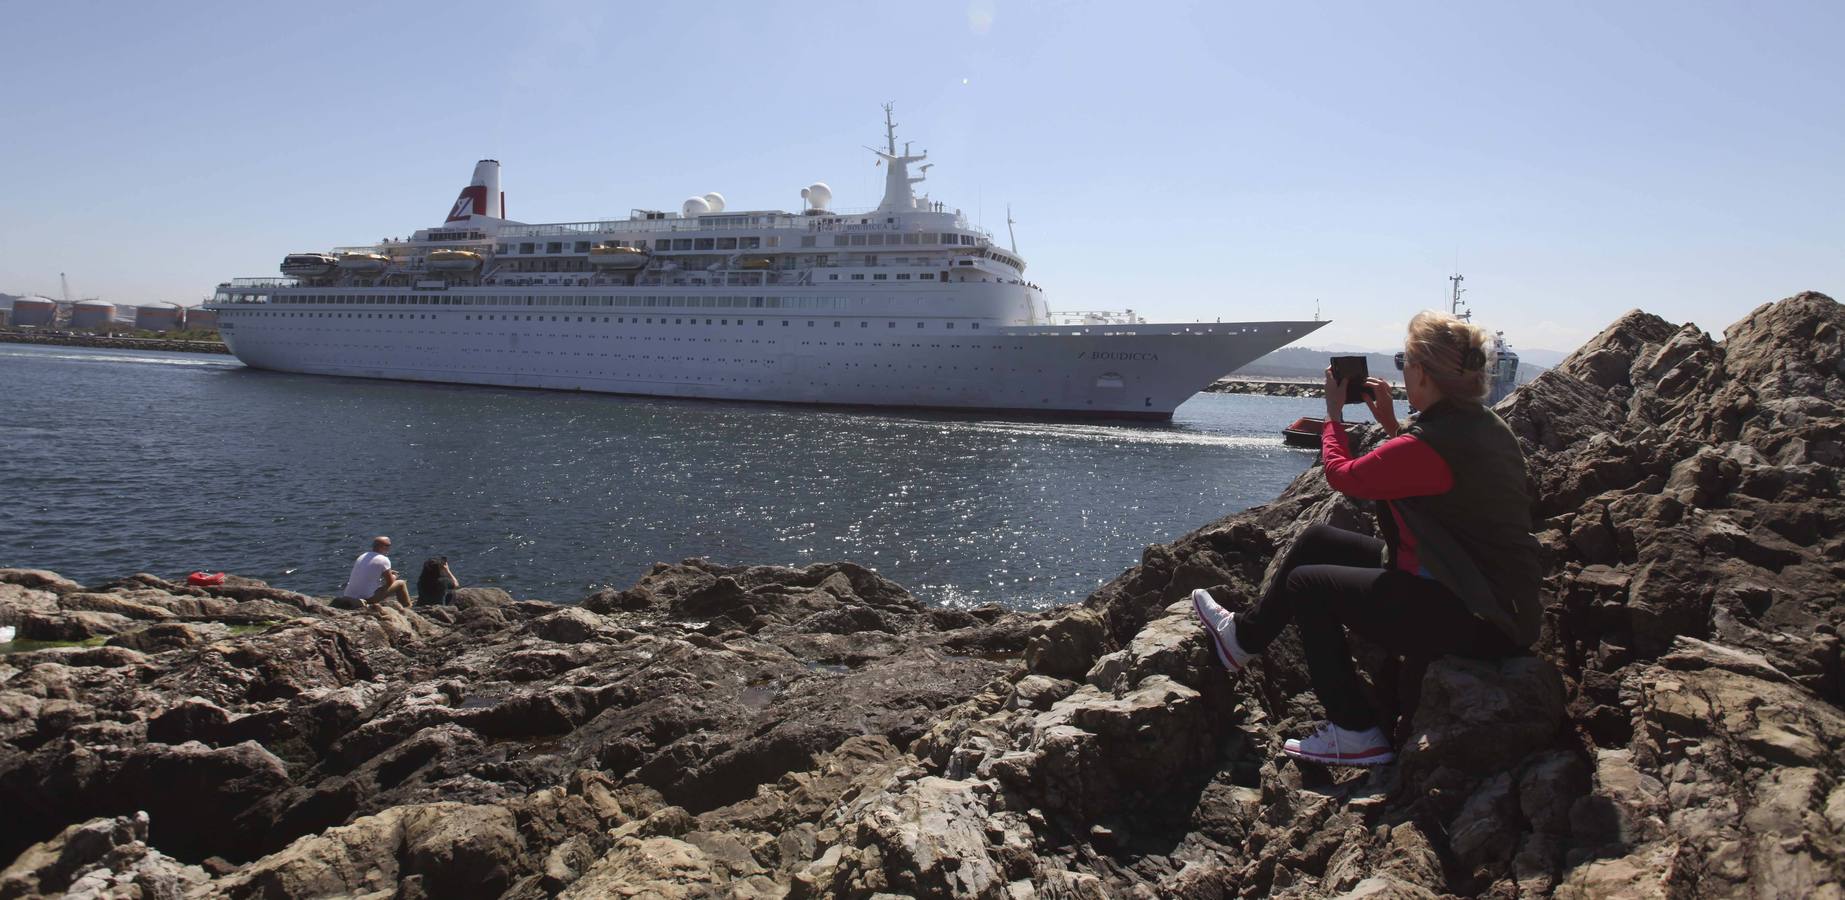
[[1382, 405], [1335, 396]]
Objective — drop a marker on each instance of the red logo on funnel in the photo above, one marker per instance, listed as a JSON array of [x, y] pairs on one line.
[[472, 202]]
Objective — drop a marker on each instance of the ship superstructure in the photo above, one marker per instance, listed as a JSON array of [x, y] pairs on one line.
[[906, 304]]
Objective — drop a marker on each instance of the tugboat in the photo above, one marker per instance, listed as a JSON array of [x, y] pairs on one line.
[[1504, 368]]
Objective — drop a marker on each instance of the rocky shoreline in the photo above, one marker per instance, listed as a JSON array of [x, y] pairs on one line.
[[775, 732], [114, 343]]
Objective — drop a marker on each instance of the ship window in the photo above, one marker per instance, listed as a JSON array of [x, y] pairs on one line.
[[890, 325], [784, 323], [682, 243], [919, 324], [528, 248], [912, 238], [975, 326], [702, 244], [903, 276], [729, 243], [810, 323], [807, 240], [879, 277], [864, 324], [951, 326], [858, 240], [835, 323], [662, 244], [755, 303], [753, 243], [858, 276], [582, 247], [875, 240], [554, 247], [833, 277], [967, 240], [841, 240]]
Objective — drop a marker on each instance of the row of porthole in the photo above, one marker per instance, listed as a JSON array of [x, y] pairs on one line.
[[737, 340], [618, 320]]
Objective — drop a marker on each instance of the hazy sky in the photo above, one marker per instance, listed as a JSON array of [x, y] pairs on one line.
[[1189, 161]]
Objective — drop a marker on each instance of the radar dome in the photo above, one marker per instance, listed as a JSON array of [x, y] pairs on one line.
[[716, 200], [697, 206], [817, 195]]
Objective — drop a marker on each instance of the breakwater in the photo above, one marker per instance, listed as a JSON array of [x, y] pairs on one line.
[[113, 343], [813, 732], [1235, 385]]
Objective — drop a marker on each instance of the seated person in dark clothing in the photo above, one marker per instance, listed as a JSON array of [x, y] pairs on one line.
[[436, 582], [1457, 571]]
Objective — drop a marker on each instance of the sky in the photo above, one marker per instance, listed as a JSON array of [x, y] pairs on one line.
[[1221, 160]]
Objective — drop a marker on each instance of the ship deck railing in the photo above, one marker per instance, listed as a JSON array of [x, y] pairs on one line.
[[829, 224]]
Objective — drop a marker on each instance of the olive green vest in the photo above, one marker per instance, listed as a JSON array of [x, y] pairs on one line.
[[1476, 538]]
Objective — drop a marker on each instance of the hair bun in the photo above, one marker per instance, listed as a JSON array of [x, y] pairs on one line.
[[1473, 358]]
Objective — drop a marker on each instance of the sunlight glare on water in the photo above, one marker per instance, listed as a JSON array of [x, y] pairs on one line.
[[167, 463]]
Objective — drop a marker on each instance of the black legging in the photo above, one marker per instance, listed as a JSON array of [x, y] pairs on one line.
[[1331, 580]]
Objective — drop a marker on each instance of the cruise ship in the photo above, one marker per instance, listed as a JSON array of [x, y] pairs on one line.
[[905, 305]]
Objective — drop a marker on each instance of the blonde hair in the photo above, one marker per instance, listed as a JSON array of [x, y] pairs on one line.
[[1452, 353]]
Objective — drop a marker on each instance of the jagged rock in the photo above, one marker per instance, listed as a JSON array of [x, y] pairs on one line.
[[39, 579], [1066, 646], [571, 625], [71, 625], [97, 859], [18, 601], [1480, 716]]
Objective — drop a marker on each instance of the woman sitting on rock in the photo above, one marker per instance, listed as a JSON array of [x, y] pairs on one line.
[[1457, 570]]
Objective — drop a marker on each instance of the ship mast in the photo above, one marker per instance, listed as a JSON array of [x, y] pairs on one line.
[[1454, 302], [898, 194]]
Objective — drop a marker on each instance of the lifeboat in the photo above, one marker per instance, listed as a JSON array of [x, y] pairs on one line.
[[364, 262], [307, 265], [755, 262], [617, 257], [452, 260]]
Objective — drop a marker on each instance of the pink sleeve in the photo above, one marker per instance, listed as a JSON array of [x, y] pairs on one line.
[[1397, 468]]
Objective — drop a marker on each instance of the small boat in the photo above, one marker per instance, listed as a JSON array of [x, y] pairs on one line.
[[307, 265], [607, 257], [1306, 430], [754, 262], [364, 262], [452, 260]]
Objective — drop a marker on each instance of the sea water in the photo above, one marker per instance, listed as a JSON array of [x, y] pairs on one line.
[[115, 462]]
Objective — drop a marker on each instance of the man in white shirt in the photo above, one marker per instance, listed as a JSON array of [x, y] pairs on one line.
[[372, 579]]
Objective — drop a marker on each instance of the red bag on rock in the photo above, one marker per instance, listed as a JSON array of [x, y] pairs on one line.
[[200, 579]]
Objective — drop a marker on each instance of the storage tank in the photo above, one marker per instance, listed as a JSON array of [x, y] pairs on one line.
[[35, 312], [198, 319], [92, 315], [162, 317]]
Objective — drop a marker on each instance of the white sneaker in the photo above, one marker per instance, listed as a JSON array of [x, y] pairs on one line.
[[1220, 624], [1335, 746]]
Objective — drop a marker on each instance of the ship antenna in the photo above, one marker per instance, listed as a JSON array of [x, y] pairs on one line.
[[1010, 235], [890, 129], [1454, 302]]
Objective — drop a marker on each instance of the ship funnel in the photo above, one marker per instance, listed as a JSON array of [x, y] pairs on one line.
[[482, 196]]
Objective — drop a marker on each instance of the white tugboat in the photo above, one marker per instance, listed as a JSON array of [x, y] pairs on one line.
[[1504, 372], [904, 305]]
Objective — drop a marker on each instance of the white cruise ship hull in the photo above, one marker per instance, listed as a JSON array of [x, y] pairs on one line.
[[1115, 371]]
